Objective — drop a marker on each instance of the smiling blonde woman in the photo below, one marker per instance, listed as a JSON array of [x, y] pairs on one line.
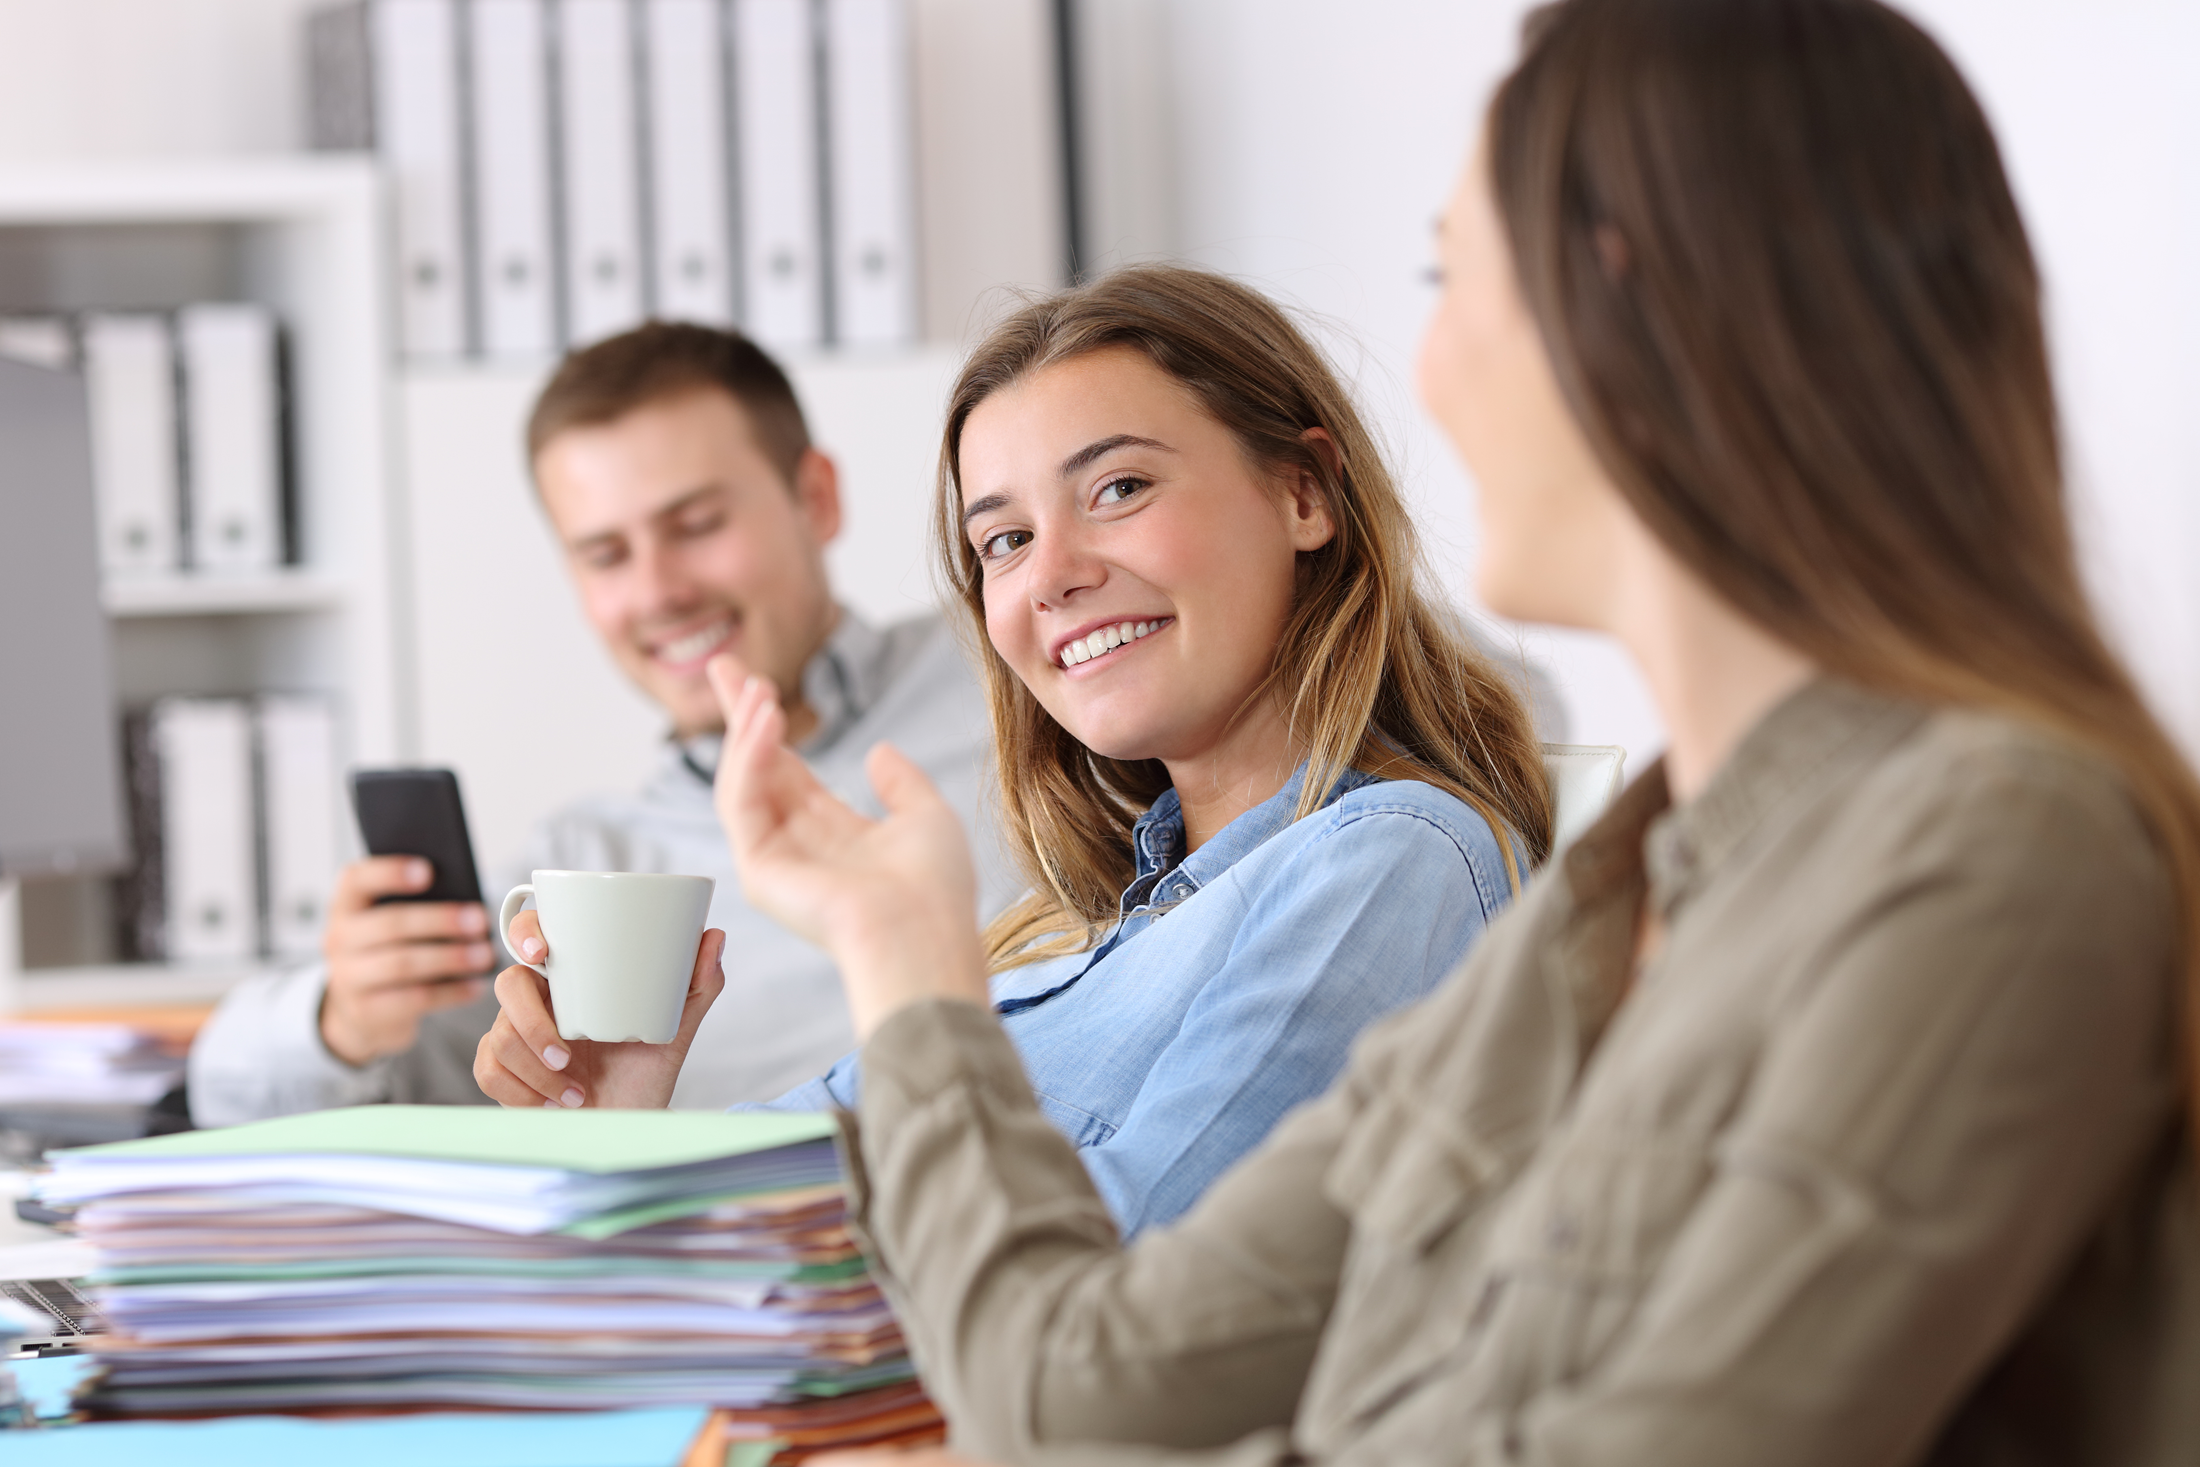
[[1263, 790]]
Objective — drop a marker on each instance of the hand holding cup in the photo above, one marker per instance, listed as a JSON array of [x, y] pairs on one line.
[[605, 1019]]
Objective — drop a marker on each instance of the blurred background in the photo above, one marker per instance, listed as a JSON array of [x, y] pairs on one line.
[[409, 606]]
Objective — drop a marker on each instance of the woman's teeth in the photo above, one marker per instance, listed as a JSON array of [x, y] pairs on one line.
[[1107, 639], [694, 644]]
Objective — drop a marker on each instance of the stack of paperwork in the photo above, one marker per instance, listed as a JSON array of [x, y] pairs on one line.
[[413, 1256], [57, 1063]]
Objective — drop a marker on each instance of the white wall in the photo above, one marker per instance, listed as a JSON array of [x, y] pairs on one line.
[[150, 78], [2099, 117], [1316, 143]]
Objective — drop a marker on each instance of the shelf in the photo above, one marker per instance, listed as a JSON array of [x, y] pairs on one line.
[[856, 361], [129, 985], [100, 191], [221, 595]]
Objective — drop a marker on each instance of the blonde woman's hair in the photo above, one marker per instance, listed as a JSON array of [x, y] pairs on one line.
[[1369, 672]]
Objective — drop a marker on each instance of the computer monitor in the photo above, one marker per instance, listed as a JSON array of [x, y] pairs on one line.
[[60, 757]]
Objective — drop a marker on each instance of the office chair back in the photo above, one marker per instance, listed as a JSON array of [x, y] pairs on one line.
[[1584, 780]]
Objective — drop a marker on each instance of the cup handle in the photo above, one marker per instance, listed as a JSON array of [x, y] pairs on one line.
[[513, 901]]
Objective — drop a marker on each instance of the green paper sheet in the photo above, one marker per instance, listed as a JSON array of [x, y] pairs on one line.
[[545, 1268], [599, 1142]]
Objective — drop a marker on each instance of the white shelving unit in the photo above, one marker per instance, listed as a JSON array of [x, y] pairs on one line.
[[430, 599], [306, 237], [289, 589]]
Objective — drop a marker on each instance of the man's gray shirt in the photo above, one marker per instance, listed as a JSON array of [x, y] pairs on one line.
[[781, 1019]]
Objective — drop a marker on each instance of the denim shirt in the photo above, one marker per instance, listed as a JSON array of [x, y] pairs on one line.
[[1235, 979]]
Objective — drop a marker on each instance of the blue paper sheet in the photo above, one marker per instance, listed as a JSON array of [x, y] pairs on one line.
[[455, 1439], [47, 1382]]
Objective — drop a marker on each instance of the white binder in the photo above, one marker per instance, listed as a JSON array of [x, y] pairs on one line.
[[601, 157], [130, 378], [691, 235], [298, 810], [514, 267], [232, 454], [775, 102], [43, 341], [204, 746], [871, 133], [417, 132]]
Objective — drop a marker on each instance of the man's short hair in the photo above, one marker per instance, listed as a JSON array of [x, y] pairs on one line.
[[663, 359]]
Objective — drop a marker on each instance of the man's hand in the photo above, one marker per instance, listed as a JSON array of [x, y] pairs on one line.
[[894, 900], [388, 966], [522, 1061]]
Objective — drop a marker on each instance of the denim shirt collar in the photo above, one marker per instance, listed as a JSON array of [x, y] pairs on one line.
[[1167, 876]]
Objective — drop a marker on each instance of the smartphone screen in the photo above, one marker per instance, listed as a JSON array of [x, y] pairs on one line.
[[417, 812]]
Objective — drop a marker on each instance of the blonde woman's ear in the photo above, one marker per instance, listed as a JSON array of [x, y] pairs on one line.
[[1322, 442], [1312, 523]]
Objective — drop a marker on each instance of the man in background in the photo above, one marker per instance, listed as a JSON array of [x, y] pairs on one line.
[[676, 469]]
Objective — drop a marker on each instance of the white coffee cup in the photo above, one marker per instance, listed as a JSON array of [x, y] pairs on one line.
[[622, 948]]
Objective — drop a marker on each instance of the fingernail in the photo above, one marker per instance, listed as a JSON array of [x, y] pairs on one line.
[[473, 919], [531, 947], [554, 1057], [478, 954], [552, 1105], [418, 873], [572, 1099]]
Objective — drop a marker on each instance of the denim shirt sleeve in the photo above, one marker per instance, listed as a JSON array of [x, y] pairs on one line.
[[837, 1089], [1367, 919]]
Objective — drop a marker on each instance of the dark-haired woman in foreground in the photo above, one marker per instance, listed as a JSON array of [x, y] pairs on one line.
[[1823, 1104]]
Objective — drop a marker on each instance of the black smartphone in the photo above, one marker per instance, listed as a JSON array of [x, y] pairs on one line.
[[417, 812]]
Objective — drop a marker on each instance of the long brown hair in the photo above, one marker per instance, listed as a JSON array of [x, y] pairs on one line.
[[1371, 674], [1776, 262]]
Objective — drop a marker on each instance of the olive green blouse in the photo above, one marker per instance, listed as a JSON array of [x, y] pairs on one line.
[[1880, 1159]]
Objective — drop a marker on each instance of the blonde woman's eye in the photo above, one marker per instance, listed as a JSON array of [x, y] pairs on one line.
[[1115, 491], [1008, 542]]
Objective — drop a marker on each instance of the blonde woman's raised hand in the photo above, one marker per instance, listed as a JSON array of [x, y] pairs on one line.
[[893, 900]]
